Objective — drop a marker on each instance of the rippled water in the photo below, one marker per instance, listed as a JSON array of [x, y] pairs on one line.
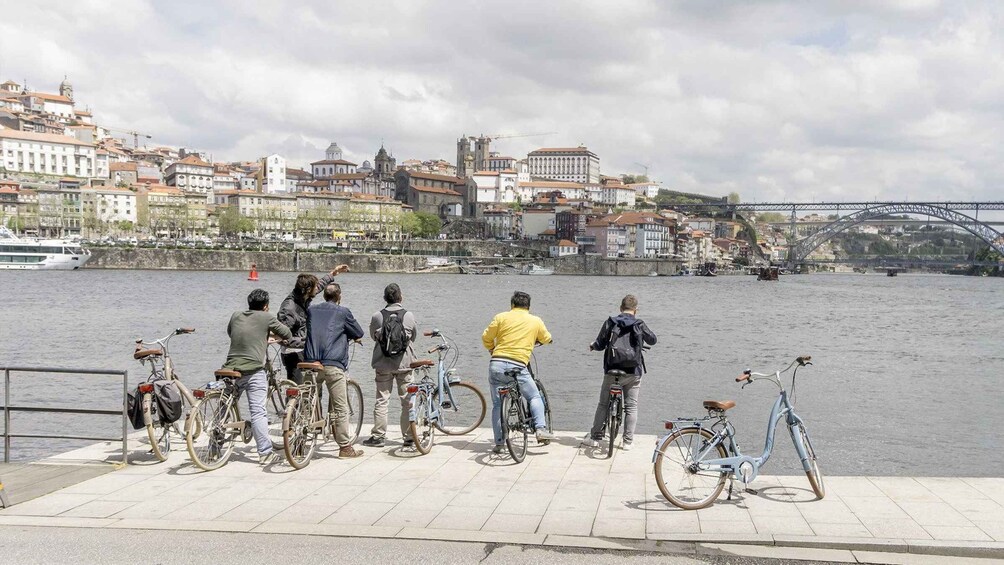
[[906, 376]]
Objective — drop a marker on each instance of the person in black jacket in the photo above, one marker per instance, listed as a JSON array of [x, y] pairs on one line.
[[293, 314], [635, 330]]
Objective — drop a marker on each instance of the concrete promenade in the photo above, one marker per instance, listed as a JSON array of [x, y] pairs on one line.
[[563, 495]]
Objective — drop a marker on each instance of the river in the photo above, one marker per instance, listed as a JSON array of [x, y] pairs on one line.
[[905, 379]]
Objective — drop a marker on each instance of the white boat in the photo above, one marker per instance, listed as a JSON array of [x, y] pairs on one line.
[[23, 254], [536, 270]]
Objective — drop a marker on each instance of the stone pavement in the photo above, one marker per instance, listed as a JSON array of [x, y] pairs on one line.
[[563, 494]]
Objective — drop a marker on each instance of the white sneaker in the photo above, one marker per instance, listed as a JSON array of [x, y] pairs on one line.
[[270, 459], [590, 442], [627, 445]]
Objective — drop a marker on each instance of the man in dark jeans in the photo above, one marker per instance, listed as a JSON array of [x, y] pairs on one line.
[[330, 326], [624, 323], [293, 314], [249, 331]]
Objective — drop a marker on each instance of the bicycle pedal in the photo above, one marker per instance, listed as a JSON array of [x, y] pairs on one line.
[[754, 492]]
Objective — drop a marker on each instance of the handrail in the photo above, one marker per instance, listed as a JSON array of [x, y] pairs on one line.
[[7, 408]]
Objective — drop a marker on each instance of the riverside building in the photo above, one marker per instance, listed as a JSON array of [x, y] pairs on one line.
[[573, 164]]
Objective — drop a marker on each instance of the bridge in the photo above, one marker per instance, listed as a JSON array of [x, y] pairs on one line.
[[859, 212]]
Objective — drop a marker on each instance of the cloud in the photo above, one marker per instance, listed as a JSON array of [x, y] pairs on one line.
[[777, 99]]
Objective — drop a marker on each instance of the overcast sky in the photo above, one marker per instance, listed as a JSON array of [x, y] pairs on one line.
[[783, 100]]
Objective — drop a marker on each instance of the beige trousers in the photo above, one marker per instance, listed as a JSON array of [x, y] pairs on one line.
[[384, 386]]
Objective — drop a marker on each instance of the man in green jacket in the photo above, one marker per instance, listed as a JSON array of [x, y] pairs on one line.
[[249, 331]]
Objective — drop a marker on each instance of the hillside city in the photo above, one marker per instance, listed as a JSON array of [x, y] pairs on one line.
[[65, 174]]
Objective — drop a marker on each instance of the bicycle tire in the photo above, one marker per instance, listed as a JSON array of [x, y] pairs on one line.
[[445, 413], [813, 473], [677, 499], [210, 420], [422, 430], [613, 422], [354, 396], [547, 405], [275, 410], [153, 426], [299, 438], [515, 421]]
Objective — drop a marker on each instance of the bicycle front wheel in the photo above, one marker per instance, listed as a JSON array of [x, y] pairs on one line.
[[465, 413], [275, 408], [813, 473], [613, 422], [547, 406], [299, 436], [677, 472], [422, 429], [210, 432], [514, 422], [354, 394]]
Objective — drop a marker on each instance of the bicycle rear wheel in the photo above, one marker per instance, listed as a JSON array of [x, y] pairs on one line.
[[210, 432], [354, 394], [515, 425], [422, 429], [299, 437], [160, 442], [466, 412], [613, 422], [275, 409], [677, 473], [813, 473]]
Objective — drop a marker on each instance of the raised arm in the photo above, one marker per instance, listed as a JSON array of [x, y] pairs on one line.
[[646, 334]]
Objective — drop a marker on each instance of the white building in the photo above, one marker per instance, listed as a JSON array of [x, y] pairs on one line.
[[274, 174], [109, 205], [570, 190], [53, 104], [328, 167], [190, 174], [46, 154], [619, 195], [497, 162], [563, 248], [495, 187], [574, 164], [646, 189]]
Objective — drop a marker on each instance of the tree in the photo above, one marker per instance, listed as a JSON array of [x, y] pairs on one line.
[[632, 179], [421, 224], [233, 224], [771, 218], [733, 198]]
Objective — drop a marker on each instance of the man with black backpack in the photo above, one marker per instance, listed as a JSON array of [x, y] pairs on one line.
[[393, 329], [621, 339]]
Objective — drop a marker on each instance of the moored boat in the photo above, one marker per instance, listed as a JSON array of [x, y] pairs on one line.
[[32, 254], [532, 269]]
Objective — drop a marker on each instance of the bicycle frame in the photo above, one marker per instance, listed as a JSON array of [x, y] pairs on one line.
[[168, 364], [743, 468], [441, 386]]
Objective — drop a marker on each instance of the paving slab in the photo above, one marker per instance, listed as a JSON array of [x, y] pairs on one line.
[[563, 493]]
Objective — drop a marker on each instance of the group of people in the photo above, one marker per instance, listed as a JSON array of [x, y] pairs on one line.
[[323, 332]]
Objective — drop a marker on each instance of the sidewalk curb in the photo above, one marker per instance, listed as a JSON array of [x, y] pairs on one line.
[[681, 544]]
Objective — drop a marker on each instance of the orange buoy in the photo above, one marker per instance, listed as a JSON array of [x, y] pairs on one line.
[[253, 275]]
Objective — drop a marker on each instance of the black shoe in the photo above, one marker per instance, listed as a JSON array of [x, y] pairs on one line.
[[409, 443], [374, 441]]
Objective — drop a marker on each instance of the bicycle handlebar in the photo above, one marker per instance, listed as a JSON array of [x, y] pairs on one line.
[[748, 376]]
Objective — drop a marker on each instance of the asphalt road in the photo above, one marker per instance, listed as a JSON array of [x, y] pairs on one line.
[[63, 546]]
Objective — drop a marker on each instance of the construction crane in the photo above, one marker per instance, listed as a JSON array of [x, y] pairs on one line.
[[644, 166], [135, 135], [504, 136]]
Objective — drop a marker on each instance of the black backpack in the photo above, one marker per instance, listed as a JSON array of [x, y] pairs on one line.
[[624, 348], [168, 400], [393, 337]]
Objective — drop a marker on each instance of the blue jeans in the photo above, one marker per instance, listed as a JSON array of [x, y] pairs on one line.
[[256, 385], [528, 388]]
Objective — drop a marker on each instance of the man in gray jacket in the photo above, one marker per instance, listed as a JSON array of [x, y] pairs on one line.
[[391, 369]]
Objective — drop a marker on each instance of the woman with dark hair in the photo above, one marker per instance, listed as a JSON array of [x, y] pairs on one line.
[[293, 314]]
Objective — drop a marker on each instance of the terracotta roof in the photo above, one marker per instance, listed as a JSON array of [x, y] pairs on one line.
[[627, 219], [566, 243], [82, 112], [192, 160], [120, 166], [435, 190], [487, 173], [290, 172], [42, 137], [548, 231], [433, 176], [334, 162], [51, 97], [347, 176]]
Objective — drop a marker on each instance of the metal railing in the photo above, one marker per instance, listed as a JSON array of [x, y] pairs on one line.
[[8, 409]]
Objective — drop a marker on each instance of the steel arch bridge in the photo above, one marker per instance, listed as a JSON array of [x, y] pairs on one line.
[[801, 249]]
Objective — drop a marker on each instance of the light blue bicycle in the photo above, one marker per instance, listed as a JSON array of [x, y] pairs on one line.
[[693, 460]]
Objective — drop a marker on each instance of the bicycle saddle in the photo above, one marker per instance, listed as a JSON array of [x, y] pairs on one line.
[[227, 374], [722, 405], [144, 353], [315, 366], [422, 363], [616, 373], [513, 373]]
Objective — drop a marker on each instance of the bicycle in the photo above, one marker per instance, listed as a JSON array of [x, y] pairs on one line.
[[514, 414], [161, 368], [698, 459], [305, 420], [275, 403], [436, 404], [615, 408], [214, 423]]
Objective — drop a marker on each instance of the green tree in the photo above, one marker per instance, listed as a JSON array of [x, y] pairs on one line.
[[233, 224], [421, 224], [771, 218], [733, 198]]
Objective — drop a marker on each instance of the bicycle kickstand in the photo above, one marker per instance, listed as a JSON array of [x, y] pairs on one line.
[[732, 483]]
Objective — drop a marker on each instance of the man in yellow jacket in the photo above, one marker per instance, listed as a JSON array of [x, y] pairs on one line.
[[510, 338]]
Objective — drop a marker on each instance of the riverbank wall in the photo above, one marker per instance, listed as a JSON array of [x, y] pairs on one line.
[[293, 261]]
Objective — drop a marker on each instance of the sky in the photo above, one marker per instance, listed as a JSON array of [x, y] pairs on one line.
[[776, 100]]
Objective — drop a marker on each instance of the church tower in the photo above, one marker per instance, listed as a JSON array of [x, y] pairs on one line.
[[334, 152], [481, 153], [384, 164], [66, 89]]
